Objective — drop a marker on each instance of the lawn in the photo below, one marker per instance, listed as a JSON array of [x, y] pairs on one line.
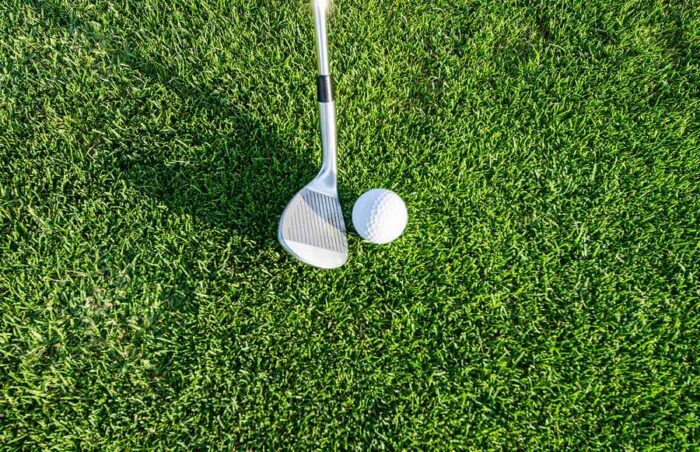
[[546, 293]]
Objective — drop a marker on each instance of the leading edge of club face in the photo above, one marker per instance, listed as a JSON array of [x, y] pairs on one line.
[[312, 228]]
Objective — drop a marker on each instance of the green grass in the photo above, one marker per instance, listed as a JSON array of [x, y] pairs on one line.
[[546, 292]]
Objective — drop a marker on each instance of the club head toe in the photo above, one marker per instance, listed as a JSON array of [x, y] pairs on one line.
[[312, 229]]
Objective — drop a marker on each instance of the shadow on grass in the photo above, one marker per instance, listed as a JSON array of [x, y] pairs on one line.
[[238, 183]]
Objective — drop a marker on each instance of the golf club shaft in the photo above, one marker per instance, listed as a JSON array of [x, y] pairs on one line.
[[325, 90], [321, 17]]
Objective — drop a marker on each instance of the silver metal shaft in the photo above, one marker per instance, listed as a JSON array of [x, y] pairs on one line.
[[329, 169], [321, 16], [329, 140]]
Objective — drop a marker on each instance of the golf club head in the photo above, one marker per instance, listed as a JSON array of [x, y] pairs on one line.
[[312, 227]]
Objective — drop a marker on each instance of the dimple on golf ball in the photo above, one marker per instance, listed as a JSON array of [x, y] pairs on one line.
[[380, 216]]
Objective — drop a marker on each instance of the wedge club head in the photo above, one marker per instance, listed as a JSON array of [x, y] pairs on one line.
[[312, 227]]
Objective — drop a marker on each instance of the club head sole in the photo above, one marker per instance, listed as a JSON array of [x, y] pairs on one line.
[[312, 229]]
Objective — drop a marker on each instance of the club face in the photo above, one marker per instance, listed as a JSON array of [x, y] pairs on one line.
[[312, 229]]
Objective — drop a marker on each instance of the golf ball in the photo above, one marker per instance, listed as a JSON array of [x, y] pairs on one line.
[[380, 216]]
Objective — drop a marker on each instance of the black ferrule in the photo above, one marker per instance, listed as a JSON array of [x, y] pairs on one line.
[[325, 89]]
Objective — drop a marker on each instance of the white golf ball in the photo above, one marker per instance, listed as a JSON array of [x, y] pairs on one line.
[[380, 216]]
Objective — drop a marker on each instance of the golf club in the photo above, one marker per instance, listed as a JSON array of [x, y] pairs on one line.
[[312, 227]]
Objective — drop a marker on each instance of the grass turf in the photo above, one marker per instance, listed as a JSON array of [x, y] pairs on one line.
[[545, 293]]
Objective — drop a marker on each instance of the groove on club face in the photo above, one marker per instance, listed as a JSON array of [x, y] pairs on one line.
[[312, 228]]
